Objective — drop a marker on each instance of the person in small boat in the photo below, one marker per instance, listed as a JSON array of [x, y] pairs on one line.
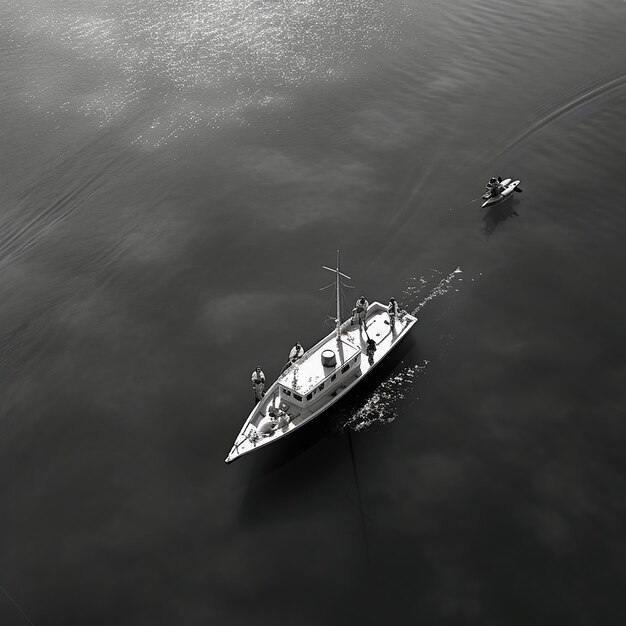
[[493, 187], [361, 311], [369, 351], [392, 311], [258, 384], [296, 352]]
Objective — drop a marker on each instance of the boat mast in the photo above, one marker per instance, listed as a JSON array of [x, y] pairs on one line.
[[338, 319], [338, 294]]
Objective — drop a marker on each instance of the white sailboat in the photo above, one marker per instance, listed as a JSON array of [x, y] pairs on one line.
[[322, 376]]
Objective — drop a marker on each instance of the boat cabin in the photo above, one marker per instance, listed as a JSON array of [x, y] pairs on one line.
[[319, 371]]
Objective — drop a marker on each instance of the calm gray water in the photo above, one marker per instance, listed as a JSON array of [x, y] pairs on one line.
[[174, 174]]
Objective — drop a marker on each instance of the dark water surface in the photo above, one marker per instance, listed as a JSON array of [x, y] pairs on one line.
[[174, 174]]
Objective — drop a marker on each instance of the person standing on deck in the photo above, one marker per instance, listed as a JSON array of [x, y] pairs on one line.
[[361, 311], [392, 310], [371, 348], [258, 384], [296, 352]]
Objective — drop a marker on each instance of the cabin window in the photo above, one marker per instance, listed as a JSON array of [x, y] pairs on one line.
[[345, 368], [321, 387], [287, 392], [297, 397], [309, 396], [333, 377]]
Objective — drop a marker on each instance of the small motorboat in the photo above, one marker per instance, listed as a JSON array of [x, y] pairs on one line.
[[507, 187]]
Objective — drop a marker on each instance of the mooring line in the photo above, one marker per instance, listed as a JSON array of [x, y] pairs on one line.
[[360, 501], [16, 605]]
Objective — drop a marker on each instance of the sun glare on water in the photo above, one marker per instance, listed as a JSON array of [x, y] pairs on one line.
[[201, 62]]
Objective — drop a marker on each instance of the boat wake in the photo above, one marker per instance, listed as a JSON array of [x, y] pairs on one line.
[[381, 406], [589, 94], [417, 285]]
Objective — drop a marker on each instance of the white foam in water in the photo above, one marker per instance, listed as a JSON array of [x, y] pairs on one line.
[[445, 285], [381, 406]]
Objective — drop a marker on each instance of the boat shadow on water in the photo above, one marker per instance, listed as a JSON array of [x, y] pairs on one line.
[[497, 214]]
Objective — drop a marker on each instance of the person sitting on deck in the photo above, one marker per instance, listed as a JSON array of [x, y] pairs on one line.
[[392, 311], [281, 419], [266, 426], [296, 352], [275, 418], [361, 311]]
